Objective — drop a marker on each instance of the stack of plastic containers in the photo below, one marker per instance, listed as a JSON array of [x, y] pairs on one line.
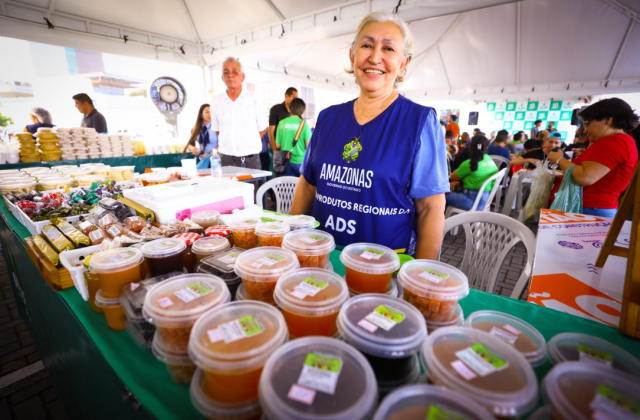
[[127, 147], [434, 288], [65, 144], [420, 402], [369, 267], [389, 332], [115, 269], [317, 378], [261, 268], [483, 367], [222, 265], [312, 247], [48, 145], [173, 306], [310, 299], [521, 335], [230, 346]]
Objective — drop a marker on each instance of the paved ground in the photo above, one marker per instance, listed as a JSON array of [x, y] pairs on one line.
[[26, 392]]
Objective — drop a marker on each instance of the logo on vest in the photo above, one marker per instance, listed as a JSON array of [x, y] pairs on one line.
[[352, 150]]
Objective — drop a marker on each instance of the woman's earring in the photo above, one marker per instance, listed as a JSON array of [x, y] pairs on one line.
[[606, 123]]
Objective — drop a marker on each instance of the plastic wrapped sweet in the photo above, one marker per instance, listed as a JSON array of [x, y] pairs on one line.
[[114, 231], [56, 239], [135, 223], [96, 236], [107, 220], [78, 239], [86, 227], [46, 250], [434, 288]]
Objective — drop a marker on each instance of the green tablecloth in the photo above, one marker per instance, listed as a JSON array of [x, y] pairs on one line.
[[90, 363], [140, 162]]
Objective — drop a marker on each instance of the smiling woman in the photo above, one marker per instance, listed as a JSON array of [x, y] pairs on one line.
[[396, 145]]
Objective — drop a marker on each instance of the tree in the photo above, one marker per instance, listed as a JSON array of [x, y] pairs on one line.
[[5, 121]]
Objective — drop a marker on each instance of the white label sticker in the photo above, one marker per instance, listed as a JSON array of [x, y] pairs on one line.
[[504, 335], [372, 254], [610, 403], [321, 372], [240, 328], [463, 370], [134, 286], [270, 260], [301, 394], [256, 264], [215, 335], [229, 259], [194, 291], [165, 302], [433, 276], [591, 355], [298, 294], [310, 287], [385, 317], [482, 360], [368, 326], [512, 329], [311, 239]]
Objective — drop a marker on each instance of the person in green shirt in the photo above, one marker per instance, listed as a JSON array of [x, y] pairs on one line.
[[287, 130], [472, 173]]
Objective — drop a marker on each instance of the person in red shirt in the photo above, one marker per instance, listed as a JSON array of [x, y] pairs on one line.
[[453, 127], [606, 167]]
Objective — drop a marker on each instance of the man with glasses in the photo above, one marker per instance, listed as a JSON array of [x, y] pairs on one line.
[[238, 120]]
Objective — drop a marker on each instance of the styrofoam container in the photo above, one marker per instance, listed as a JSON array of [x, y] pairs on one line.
[[207, 193], [72, 262]]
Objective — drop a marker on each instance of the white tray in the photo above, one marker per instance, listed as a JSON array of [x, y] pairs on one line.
[[71, 261]]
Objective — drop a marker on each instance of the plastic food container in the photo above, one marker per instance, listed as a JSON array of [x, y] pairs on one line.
[[54, 184], [232, 344], [220, 231], [414, 376], [164, 255], [206, 247], [89, 180], [116, 268], [133, 295], [369, 267], [174, 306], [178, 364], [271, 233], [215, 410], [569, 347], [312, 247], [154, 178], [93, 284], [310, 299], [206, 218], [222, 265], [19, 186], [48, 147], [433, 287], [482, 367], [457, 320], [301, 222], [189, 259], [523, 336], [387, 330], [582, 391], [317, 378], [420, 402], [244, 233], [261, 268], [113, 311]]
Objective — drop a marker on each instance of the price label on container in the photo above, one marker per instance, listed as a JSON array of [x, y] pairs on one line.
[[311, 239], [372, 254], [235, 330], [482, 360], [321, 372], [384, 317], [194, 291], [610, 403], [433, 275], [591, 355], [309, 287], [503, 335], [269, 260]]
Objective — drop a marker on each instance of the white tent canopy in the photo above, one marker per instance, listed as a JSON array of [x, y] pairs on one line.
[[473, 49]]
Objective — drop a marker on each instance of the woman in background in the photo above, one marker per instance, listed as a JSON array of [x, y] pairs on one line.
[[203, 140], [40, 118]]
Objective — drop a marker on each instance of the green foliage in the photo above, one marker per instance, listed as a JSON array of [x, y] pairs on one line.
[[5, 121]]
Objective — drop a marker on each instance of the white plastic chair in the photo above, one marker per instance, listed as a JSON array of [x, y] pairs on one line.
[[513, 199], [489, 239], [284, 187], [450, 211], [501, 161]]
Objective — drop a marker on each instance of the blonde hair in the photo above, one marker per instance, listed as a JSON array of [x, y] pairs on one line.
[[407, 44]]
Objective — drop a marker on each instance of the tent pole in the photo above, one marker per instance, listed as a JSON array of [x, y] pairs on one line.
[[518, 38], [622, 45]]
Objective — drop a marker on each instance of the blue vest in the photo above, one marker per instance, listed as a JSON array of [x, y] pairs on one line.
[[363, 173]]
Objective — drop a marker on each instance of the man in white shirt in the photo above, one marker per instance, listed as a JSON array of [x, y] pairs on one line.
[[238, 119]]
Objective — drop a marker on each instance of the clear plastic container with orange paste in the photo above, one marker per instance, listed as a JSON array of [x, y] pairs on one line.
[[271, 233], [178, 364], [174, 305], [232, 344], [244, 233], [261, 268], [369, 267], [311, 246], [93, 284], [116, 268], [113, 311], [310, 299], [433, 287]]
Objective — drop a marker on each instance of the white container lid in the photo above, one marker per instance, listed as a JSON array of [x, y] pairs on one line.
[[512, 330], [118, 259], [163, 248], [309, 242], [436, 402], [155, 177], [272, 229], [570, 347], [382, 326], [213, 409], [370, 258], [265, 263], [589, 383], [311, 291], [504, 382], [434, 280], [349, 394], [237, 336], [301, 221], [184, 298], [210, 245], [247, 224], [205, 216]]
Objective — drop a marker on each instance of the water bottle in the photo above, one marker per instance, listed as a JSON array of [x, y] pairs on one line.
[[216, 164]]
